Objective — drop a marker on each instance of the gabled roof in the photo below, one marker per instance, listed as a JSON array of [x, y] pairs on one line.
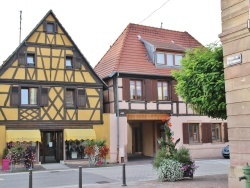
[[50, 12], [128, 54]]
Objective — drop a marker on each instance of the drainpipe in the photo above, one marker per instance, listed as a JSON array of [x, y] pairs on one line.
[[117, 117]]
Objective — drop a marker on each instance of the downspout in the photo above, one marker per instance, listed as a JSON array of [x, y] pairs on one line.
[[117, 117]]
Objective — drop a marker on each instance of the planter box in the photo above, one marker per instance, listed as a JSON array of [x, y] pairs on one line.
[[187, 175], [5, 164]]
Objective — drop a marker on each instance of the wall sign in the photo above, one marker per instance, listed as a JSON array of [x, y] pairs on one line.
[[234, 59]]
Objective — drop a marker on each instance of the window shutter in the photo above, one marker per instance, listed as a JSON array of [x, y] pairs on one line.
[[225, 132], [44, 97], [14, 98], [55, 27], [126, 88], [185, 133], [173, 94], [81, 97], [21, 59], [77, 62], [151, 90], [45, 26], [206, 133]]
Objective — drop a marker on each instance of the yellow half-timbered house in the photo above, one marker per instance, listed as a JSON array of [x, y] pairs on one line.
[[49, 93]]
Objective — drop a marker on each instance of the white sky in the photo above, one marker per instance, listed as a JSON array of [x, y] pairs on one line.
[[94, 25]]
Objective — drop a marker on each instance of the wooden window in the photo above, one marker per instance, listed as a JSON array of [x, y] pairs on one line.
[[50, 27], [162, 88], [26, 59], [29, 96], [75, 97], [30, 59], [69, 62], [174, 96], [135, 89], [216, 132], [193, 132]]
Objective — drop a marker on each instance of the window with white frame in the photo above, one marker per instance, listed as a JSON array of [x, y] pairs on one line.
[[135, 89], [162, 89], [169, 59], [29, 96]]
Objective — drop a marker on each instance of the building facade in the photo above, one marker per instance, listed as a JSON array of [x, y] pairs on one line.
[[137, 69], [235, 16], [50, 95]]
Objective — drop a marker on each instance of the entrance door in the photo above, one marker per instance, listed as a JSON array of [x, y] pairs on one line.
[[51, 147]]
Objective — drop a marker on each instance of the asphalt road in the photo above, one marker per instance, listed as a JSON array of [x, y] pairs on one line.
[[136, 175]]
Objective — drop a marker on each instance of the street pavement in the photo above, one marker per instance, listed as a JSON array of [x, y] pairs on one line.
[[211, 173]]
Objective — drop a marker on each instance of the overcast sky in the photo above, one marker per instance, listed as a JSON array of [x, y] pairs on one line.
[[94, 25]]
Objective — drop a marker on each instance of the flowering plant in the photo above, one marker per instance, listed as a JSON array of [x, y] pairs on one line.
[[189, 167], [29, 158]]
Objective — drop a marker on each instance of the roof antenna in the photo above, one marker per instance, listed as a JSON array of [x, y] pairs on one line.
[[161, 24], [20, 27]]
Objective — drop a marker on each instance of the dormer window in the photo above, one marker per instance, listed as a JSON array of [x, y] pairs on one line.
[[169, 59]]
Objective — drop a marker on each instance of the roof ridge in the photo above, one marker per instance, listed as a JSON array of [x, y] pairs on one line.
[[152, 27]]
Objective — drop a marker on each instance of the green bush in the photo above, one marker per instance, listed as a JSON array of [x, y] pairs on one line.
[[182, 155], [159, 156], [170, 170]]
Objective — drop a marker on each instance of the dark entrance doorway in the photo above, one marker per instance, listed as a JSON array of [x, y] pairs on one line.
[[51, 147]]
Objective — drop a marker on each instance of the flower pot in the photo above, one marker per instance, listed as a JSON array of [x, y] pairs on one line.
[[188, 174], [5, 164]]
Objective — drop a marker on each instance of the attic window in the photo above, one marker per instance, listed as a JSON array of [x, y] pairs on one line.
[[169, 59], [30, 59], [69, 62], [50, 27]]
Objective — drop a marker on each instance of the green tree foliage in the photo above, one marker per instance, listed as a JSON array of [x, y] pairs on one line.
[[200, 81]]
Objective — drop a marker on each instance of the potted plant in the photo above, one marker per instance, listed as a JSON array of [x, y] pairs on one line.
[[5, 160]]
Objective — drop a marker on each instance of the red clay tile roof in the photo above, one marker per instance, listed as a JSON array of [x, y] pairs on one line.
[[129, 55]]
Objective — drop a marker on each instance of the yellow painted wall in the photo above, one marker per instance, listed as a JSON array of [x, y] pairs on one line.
[[103, 131], [2, 141]]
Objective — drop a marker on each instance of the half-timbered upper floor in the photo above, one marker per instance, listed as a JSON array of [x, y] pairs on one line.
[[48, 79]]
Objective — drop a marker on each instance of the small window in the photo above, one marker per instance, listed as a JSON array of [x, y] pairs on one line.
[[193, 131], [30, 59], [69, 62], [50, 27], [29, 96], [135, 89], [216, 132], [162, 88]]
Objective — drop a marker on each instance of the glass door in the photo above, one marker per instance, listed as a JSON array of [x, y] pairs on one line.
[[51, 147]]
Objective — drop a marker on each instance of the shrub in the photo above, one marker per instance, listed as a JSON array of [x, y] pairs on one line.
[[182, 155], [159, 156], [170, 170]]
